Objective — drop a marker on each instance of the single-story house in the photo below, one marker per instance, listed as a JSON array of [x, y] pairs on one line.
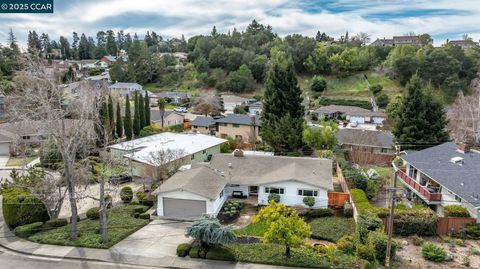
[[204, 125], [170, 118], [205, 187], [243, 128], [143, 154], [124, 88], [378, 142], [6, 143], [231, 101], [351, 114], [92, 64], [255, 108], [373, 117], [175, 97]]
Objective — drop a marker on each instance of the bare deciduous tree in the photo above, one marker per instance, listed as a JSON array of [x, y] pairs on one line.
[[464, 115], [207, 105], [66, 119], [165, 162]]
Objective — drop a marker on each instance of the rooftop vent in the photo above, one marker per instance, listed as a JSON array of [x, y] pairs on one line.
[[238, 153], [457, 160]]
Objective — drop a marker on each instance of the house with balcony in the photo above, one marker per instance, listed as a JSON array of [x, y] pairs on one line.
[[447, 174]]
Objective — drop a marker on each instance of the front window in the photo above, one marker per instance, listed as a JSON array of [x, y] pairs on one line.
[[384, 150], [303, 192], [26, 137], [274, 190], [221, 194], [236, 125]]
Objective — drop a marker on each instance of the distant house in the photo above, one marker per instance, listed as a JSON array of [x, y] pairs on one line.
[[92, 64], [447, 174], [170, 118], [232, 101], [243, 128], [105, 76], [255, 108], [175, 97], [124, 88], [204, 125], [464, 44], [109, 59], [179, 56], [140, 152], [204, 188], [382, 42], [399, 40], [351, 114], [378, 142]]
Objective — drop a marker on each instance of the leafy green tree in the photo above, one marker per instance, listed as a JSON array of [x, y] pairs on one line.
[[119, 123], [136, 117], [382, 100], [240, 81], [217, 57], [283, 110], [420, 119], [147, 109], [438, 66], [318, 84], [127, 120], [321, 138], [208, 231], [258, 66], [234, 58], [318, 61]]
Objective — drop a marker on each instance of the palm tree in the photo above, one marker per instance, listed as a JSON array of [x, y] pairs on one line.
[[161, 102]]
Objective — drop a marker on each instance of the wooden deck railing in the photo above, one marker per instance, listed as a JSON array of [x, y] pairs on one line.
[[422, 190]]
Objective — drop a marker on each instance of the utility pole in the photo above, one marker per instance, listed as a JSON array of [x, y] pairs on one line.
[[392, 211]]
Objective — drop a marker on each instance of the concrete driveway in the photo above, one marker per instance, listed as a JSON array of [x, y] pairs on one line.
[[3, 161], [158, 239]]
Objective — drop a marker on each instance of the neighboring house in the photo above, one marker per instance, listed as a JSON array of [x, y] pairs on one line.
[[179, 56], [373, 117], [124, 88], [105, 76], [255, 108], [464, 44], [170, 118], [447, 174], [175, 97], [351, 114], [204, 125], [382, 42], [25, 132], [232, 101], [190, 148], [398, 40], [377, 142], [205, 187], [243, 128], [92, 64], [6, 143], [109, 59]]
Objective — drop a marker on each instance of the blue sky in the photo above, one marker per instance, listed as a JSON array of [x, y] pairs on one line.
[[172, 18]]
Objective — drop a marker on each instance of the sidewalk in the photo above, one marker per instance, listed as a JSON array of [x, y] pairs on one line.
[[10, 241]]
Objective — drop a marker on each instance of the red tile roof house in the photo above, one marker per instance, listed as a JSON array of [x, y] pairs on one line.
[[447, 174]]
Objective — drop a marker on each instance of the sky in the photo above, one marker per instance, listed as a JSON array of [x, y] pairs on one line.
[[442, 19]]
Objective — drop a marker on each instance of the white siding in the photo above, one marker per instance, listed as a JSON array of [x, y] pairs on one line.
[[291, 197], [378, 120], [213, 206], [357, 119], [229, 190]]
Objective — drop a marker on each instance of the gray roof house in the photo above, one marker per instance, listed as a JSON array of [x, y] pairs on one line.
[[124, 88], [443, 175], [382, 140], [205, 187], [175, 97], [241, 119]]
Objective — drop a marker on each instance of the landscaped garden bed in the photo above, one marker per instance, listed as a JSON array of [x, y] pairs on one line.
[[331, 228], [121, 223]]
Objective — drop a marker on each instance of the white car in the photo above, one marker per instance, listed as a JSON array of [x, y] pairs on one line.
[[180, 109]]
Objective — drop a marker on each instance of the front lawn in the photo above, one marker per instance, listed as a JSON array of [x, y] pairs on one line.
[[121, 224], [20, 161], [331, 228], [257, 229], [274, 254]]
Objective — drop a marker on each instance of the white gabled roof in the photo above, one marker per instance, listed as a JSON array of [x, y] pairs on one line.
[[188, 143]]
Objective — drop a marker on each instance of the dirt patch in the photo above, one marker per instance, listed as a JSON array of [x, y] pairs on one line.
[[410, 256]]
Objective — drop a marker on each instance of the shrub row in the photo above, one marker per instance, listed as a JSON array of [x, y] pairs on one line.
[[215, 253], [456, 211], [20, 208], [345, 102], [360, 200], [419, 221], [27, 230], [317, 213]]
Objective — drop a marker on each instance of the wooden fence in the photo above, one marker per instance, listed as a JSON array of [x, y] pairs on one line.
[[341, 180], [338, 198], [447, 225]]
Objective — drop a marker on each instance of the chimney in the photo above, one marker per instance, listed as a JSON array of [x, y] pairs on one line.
[[238, 153], [463, 147], [252, 120]]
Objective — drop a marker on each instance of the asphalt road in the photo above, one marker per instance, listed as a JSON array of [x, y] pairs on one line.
[[13, 260]]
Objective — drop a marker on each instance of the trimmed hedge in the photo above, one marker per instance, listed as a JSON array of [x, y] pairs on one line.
[[27, 230], [126, 194], [360, 200], [139, 209], [345, 102], [419, 221], [457, 211], [55, 223], [193, 253], [183, 249], [220, 253], [144, 216], [309, 201], [93, 213], [318, 213], [19, 208]]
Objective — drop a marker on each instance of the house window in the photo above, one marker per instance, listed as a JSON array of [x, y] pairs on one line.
[[26, 137], [194, 127], [303, 192], [221, 194], [236, 125], [204, 151], [223, 124], [274, 190], [458, 199], [384, 150], [193, 156]]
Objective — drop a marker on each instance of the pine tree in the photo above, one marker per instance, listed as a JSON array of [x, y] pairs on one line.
[[105, 118], [283, 109], [420, 120], [111, 116], [119, 123], [99, 125], [127, 121], [147, 109], [136, 117], [141, 111]]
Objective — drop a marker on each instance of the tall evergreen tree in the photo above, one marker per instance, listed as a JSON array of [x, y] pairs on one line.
[[119, 122], [99, 125], [147, 109], [141, 111], [283, 109], [111, 116], [420, 119], [105, 118], [136, 117], [127, 121]]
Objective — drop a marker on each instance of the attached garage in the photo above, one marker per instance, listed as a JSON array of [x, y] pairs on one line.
[[183, 208], [4, 148]]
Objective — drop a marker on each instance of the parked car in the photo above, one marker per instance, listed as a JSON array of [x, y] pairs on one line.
[[180, 109], [354, 124], [120, 179]]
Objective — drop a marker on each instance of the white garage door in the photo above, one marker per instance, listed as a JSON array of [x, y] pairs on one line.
[[183, 208], [4, 149]]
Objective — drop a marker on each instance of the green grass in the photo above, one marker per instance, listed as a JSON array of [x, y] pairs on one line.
[[257, 229], [331, 228], [121, 224], [20, 161], [274, 254]]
